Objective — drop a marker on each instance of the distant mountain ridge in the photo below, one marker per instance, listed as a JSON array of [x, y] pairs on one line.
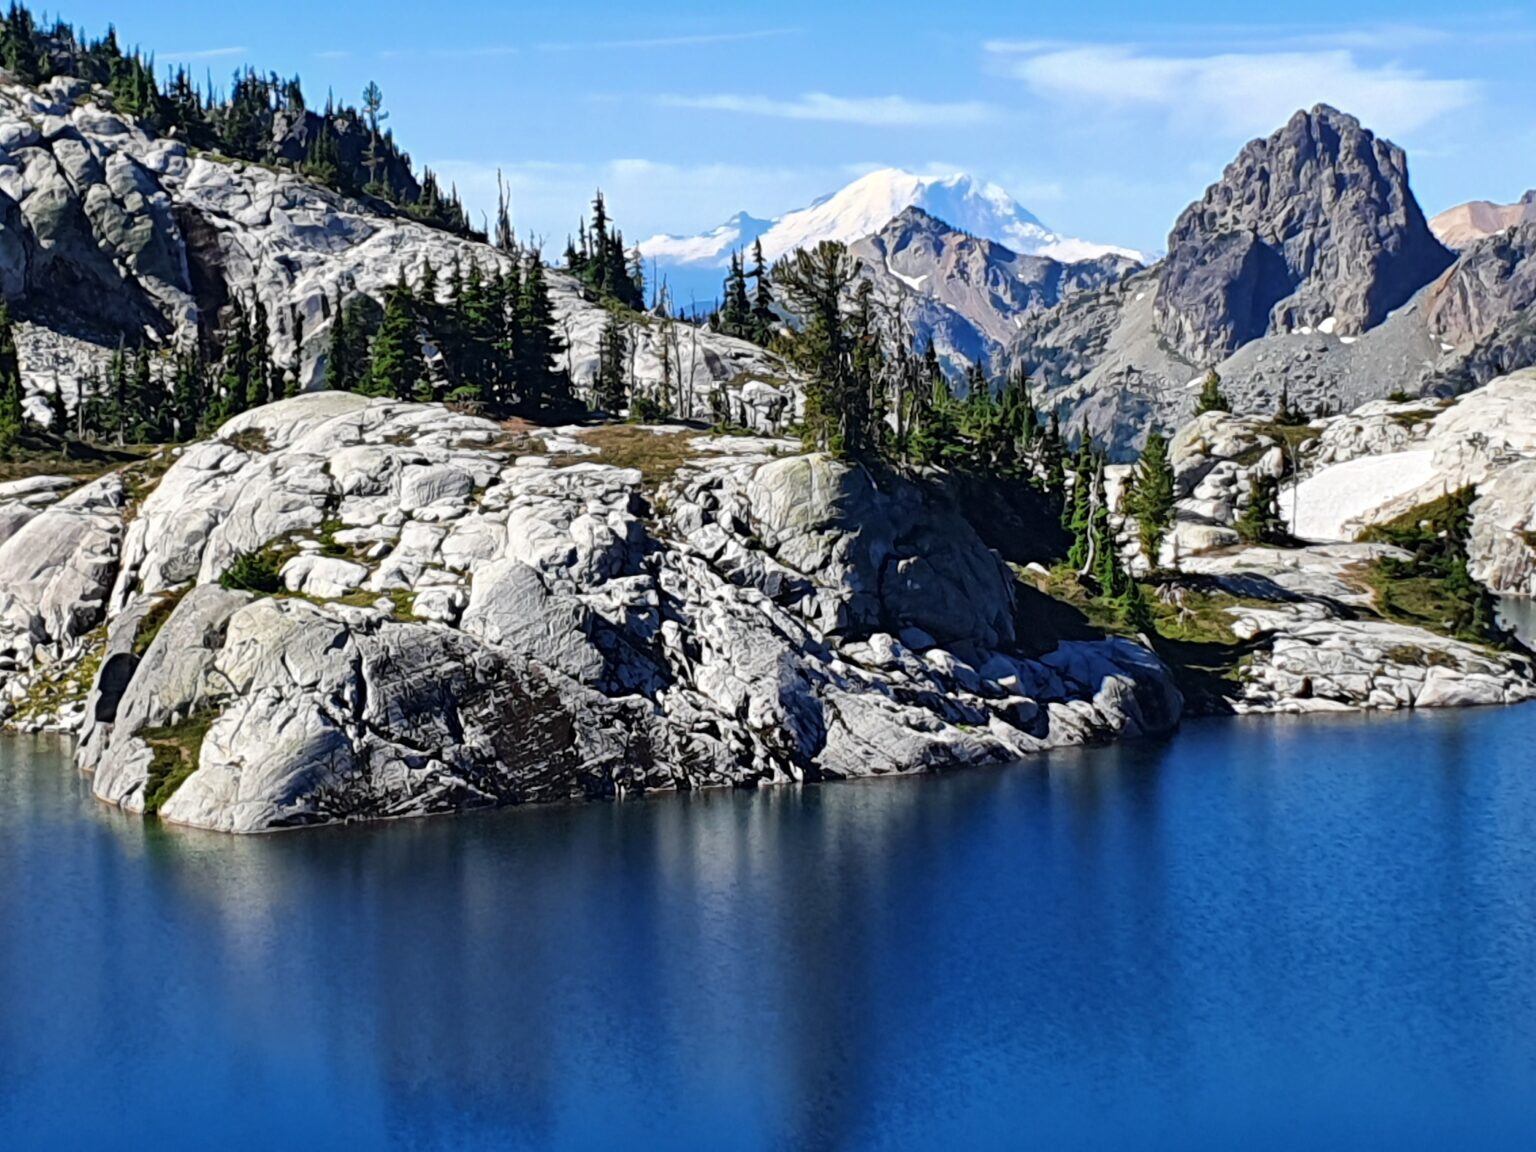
[[967, 295], [1466, 224], [694, 266]]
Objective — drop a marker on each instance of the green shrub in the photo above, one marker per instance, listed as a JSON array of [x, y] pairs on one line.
[[257, 572]]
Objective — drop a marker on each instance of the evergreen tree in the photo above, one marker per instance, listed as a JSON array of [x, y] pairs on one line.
[[762, 297], [1212, 398], [543, 388], [58, 414], [610, 390], [146, 408], [1133, 610], [187, 396], [736, 311], [346, 364], [119, 407], [373, 116], [1108, 572], [12, 399], [1151, 496], [1260, 522], [397, 368], [235, 370], [1288, 415], [815, 282]]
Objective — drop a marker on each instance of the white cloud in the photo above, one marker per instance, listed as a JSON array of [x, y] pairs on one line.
[[204, 54], [869, 111], [1241, 92]]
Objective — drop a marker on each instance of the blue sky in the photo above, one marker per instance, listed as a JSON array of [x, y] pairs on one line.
[[1101, 118]]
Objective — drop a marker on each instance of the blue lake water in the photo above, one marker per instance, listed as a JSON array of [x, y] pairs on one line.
[[1261, 934]]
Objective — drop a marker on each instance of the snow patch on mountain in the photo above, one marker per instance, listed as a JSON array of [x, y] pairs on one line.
[[861, 209]]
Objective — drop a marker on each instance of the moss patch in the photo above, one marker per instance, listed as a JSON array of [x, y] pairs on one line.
[[177, 749]]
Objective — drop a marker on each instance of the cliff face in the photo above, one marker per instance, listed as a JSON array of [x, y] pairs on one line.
[[1313, 226]]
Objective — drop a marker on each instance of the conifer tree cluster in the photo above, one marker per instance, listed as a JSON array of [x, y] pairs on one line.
[[598, 259], [498, 348], [1095, 553], [148, 397], [263, 118], [747, 313], [870, 395]]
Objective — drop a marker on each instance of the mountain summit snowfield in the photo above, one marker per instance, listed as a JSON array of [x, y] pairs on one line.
[[859, 210]]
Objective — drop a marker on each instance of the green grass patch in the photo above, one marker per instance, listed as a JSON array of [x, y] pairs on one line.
[[1193, 637], [404, 601], [56, 688], [177, 749], [154, 619], [1433, 589]]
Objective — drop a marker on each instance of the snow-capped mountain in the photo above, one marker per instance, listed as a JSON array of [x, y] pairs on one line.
[[693, 265]]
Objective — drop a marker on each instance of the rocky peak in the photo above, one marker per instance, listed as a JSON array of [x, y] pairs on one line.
[[967, 294], [1314, 226]]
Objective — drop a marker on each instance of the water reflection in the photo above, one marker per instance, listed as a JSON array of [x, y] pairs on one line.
[[1178, 944]]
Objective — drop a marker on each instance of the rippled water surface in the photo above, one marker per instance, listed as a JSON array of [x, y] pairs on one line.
[[1262, 934]]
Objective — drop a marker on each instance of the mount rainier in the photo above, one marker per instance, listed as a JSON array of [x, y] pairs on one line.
[[694, 266]]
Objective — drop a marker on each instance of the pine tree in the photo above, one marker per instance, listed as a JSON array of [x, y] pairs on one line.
[[1133, 610], [263, 386], [736, 311], [346, 364], [12, 400], [147, 403], [373, 116], [1108, 573], [610, 391], [815, 282], [1212, 398], [397, 368], [1288, 415], [543, 388], [58, 413], [1077, 514], [235, 370], [762, 297], [1260, 522], [187, 396], [1151, 496]]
